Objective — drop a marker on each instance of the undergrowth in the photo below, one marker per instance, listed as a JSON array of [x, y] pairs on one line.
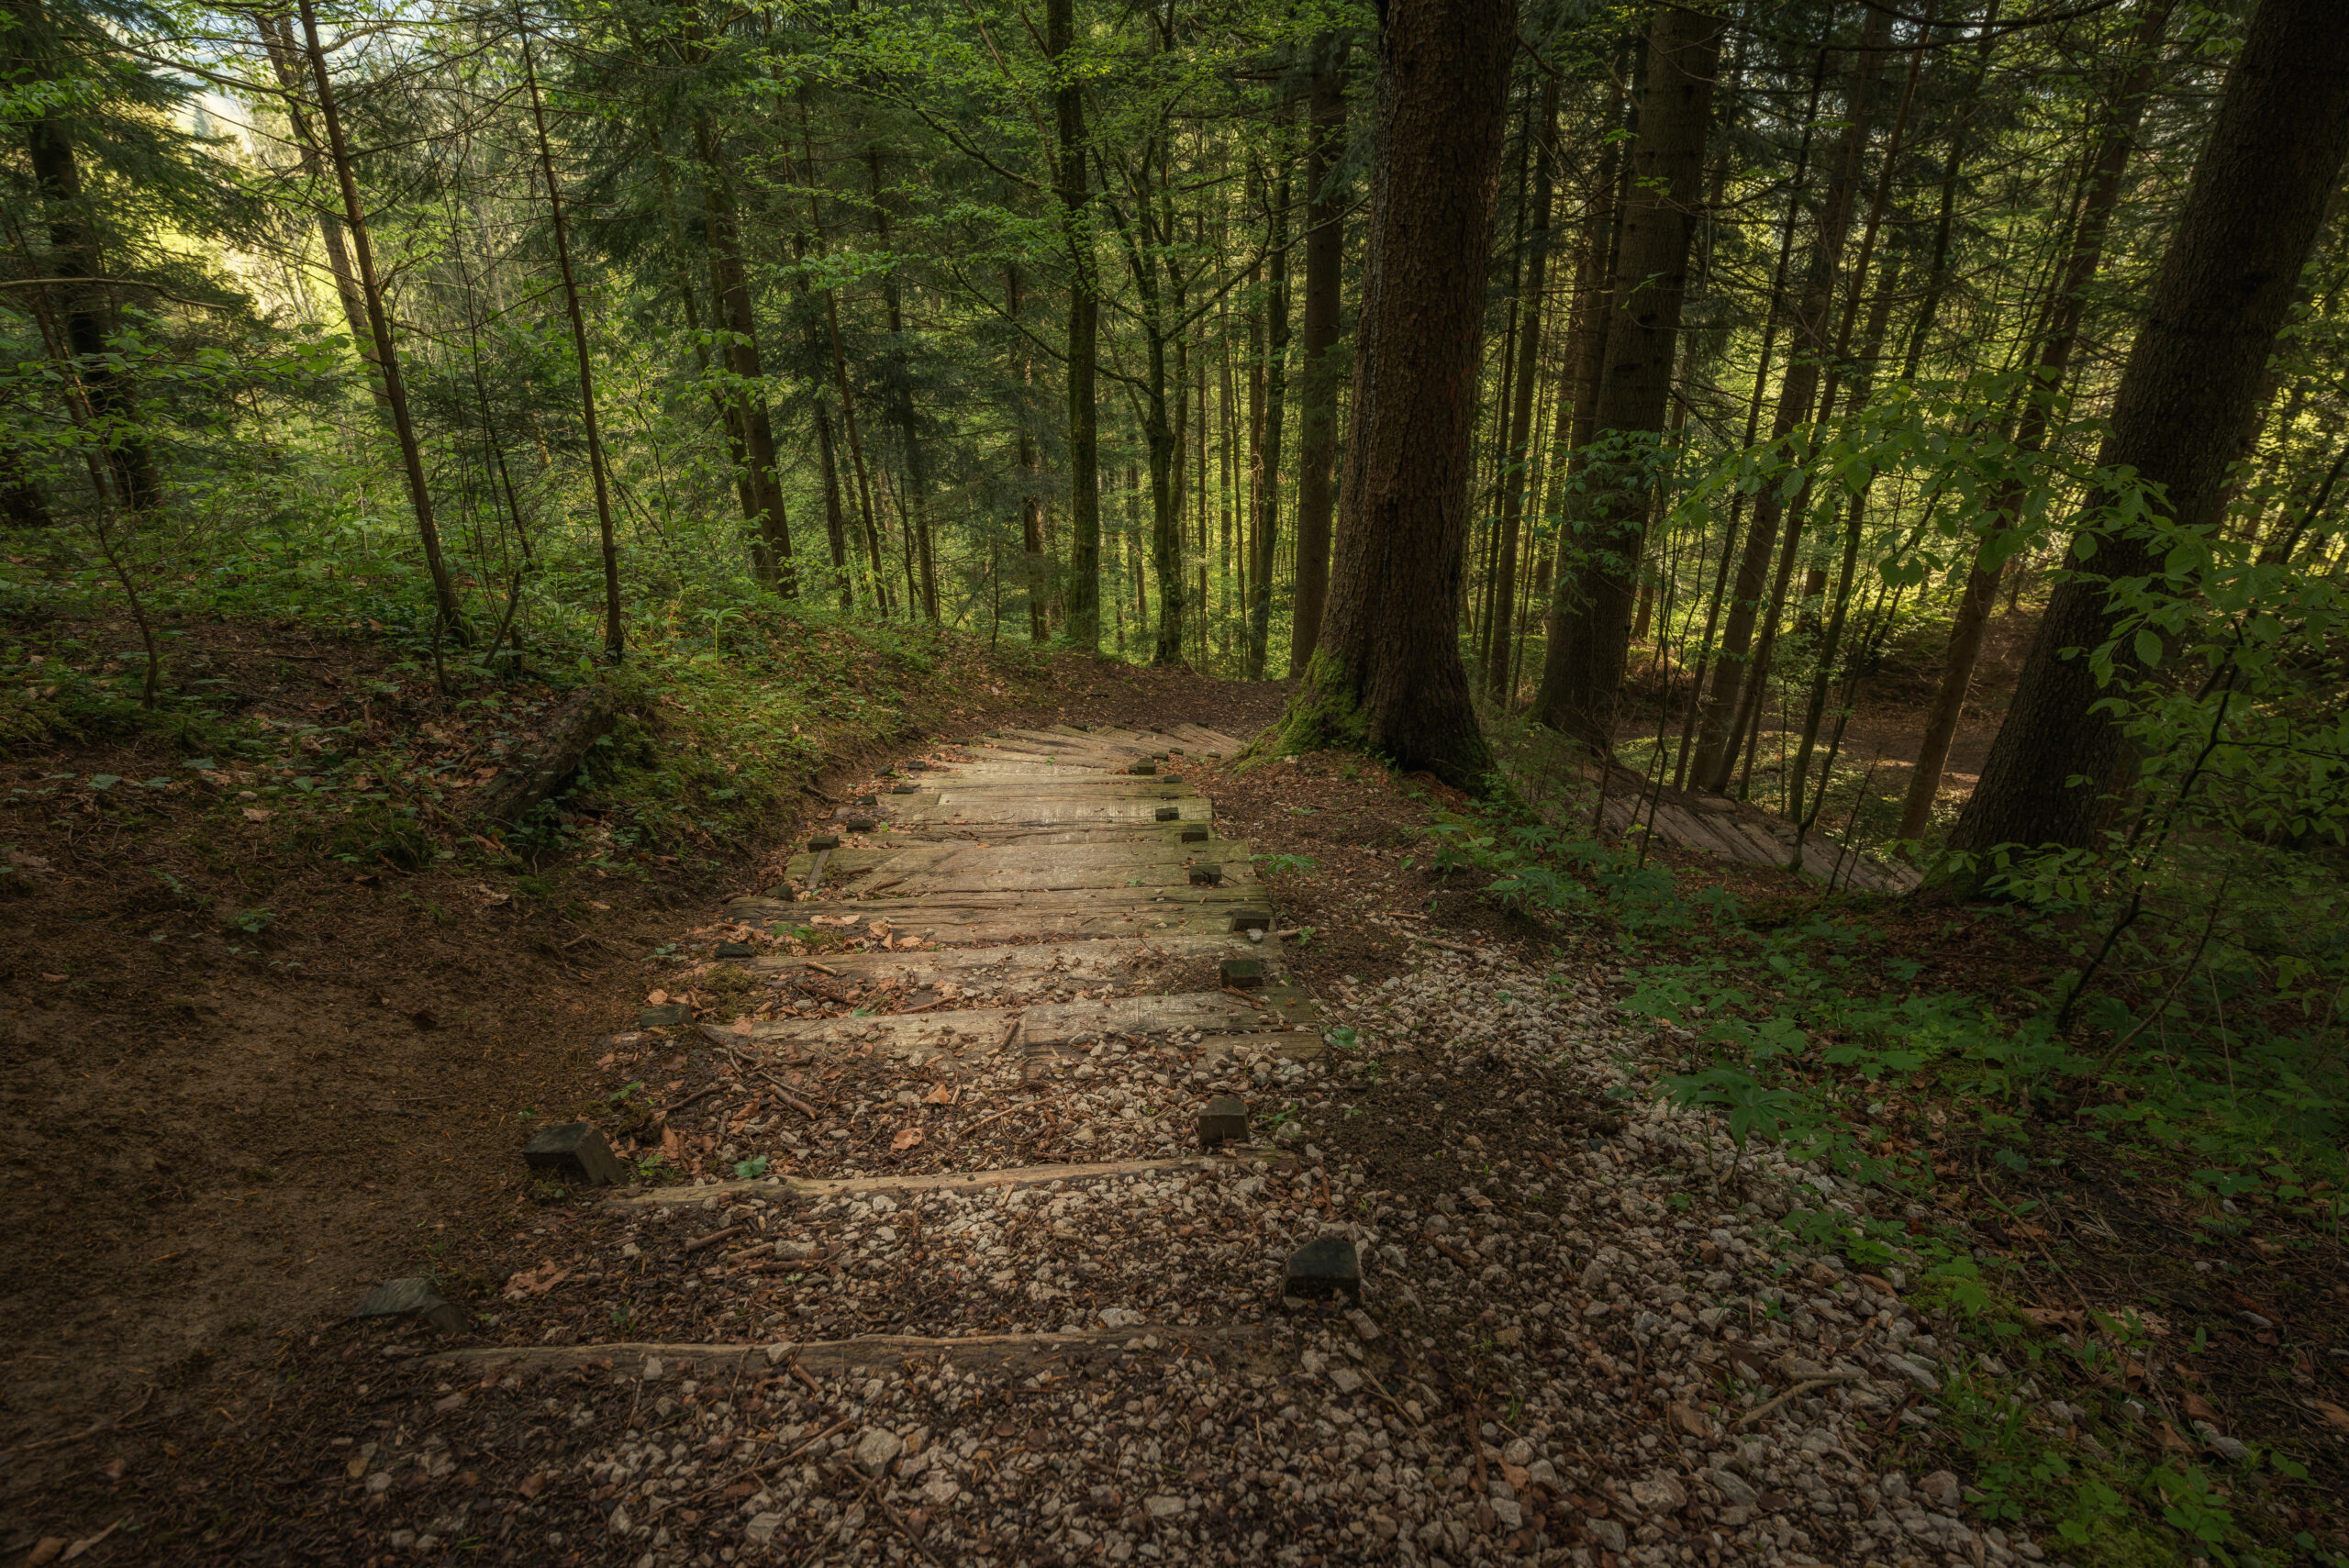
[[1816, 1034]]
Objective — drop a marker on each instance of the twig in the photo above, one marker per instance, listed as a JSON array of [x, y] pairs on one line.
[[1805, 1387], [90, 1431], [701, 1093], [713, 1238], [873, 1490]]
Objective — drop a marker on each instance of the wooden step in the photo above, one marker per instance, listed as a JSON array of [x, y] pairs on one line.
[[803, 1189], [1082, 962], [1245, 1346], [1044, 1023]]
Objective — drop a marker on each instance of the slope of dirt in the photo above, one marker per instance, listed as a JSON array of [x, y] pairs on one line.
[[247, 1079]]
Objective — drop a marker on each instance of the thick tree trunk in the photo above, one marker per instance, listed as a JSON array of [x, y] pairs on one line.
[[1084, 587], [1583, 666], [1387, 676], [2224, 291], [1963, 648], [1324, 240]]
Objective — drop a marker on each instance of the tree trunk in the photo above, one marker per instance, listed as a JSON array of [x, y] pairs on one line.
[[1083, 593], [1386, 675], [1521, 418], [1972, 616], [1268, 528], [1716, 752], [2224, 290], [615, 641], [285, 63], [1325, 241], [379, 322], [1583, 666], [771, 553]]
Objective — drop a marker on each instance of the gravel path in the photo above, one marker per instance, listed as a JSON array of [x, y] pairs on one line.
[[962, 1295]]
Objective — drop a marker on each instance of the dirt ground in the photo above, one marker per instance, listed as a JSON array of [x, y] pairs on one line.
[[222, 1134]]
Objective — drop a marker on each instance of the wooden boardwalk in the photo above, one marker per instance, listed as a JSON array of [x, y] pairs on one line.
[[1737, 831]]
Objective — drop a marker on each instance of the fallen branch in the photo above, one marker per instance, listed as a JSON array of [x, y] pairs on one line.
[[1806, 1386], [713, 1238]]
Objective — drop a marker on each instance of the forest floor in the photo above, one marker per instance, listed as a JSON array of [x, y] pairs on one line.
[[1584, 1335]]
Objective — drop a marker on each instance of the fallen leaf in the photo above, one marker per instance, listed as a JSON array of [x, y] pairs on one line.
[[1876, 1283], [940, 1095], [2334, 1415], [255, 814], [88, 1541], [597, 903], [879, 928], [2201, 1409], [2049, 1316], [530, 1485], [2170, 1440], [905, 1139], [1686, 1419], [54, 979], [654, 998], [45, 1552]]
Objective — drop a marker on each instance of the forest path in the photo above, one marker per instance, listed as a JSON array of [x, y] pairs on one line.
[[1735, 830], [957, 1278]]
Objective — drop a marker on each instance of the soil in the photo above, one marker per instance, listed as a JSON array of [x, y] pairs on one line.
[[224, 1134], [223, 1148]]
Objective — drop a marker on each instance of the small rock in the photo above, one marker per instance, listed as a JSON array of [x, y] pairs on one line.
[[1508, 1511], [574, 1152], [1940, 1489], [1518, 1451], [1346, 1379], [761, 1528], [1224, 1120], [1162, 1506], [1364, 1327], [412, 1297], [876, 1448], [1244, 974], [1609, 1534], [1733, 1490], [1916, 1372], [1659, 1494], [1688, 1421], [1321, 1270]]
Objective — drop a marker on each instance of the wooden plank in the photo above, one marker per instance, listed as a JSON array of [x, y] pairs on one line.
[[1044, 1023], [807, 1190], [1240, 1346], [958, 807], [1085, 962], [932, 857]]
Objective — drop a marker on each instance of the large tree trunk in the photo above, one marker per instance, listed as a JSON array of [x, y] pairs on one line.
[[1387, 676], [1972, 616], [1317, 457], [1083, 592], [2199, 364], [1583, 666], [1734, 666]]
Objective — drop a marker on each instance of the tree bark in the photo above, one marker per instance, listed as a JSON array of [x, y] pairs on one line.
[[1583, 666], [1268, 525], [1084, 587], [1716, 750], [771, 554], [1387, 676], [1963, 648], [1520, 426], [379, 321], [615, 641], [2225, 288], [1317, 457]]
